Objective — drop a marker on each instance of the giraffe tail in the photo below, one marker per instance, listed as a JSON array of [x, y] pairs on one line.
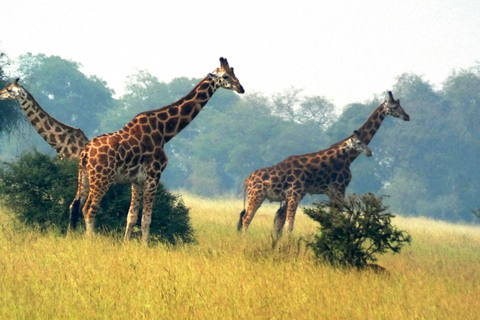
[[240, 222], [74, 211], [242, 214], [79, 200]]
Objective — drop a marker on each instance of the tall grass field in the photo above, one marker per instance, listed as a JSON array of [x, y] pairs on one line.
[[229, 276]]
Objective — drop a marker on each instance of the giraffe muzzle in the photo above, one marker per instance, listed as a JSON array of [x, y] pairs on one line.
[[239, 89]]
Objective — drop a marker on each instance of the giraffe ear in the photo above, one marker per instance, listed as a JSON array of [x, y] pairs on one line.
[[16, 81]]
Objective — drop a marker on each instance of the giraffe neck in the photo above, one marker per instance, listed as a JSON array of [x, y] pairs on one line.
[[66, 140], [342, 154], [373, 123], [176, 116], [366, 131]]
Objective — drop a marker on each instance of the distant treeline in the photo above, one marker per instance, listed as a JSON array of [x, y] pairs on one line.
[[428, 166]]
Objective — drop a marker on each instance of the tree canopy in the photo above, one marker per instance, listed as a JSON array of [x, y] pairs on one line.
[[10, 114], [427, 166], [65, 92]]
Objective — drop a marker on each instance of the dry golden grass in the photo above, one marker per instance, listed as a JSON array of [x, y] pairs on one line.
[[226, 276]]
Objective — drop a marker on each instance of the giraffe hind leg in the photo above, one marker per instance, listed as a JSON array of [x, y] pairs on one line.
[[254, 202], [240, 222], [98, 188]]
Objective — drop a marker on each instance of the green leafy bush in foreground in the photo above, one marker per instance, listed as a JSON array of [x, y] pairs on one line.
[[353, 237], [39, 189]]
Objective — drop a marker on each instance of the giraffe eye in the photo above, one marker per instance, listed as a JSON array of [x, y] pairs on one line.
[[225, 76]]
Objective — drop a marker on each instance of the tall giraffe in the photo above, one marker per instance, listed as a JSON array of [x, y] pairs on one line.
[[323, 174], [135, 153], [66, 140], [326, 171]]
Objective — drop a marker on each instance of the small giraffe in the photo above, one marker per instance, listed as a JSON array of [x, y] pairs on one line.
[[135, 153], [335, 192], [66, 140], [326, 171]]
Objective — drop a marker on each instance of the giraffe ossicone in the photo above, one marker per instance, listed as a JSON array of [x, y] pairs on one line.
[[135, 153], [66, 140]]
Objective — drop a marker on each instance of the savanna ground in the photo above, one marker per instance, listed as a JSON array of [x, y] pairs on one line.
[[226, 276]]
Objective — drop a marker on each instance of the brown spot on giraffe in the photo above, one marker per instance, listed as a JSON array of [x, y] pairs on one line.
[[143, 163]]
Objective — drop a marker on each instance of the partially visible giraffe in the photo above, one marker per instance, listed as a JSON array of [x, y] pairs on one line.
[[336, 193], [135, 153], [66, 140], [326, 171]]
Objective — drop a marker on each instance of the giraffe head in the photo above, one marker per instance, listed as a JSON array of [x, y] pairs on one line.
[[394, 108], [225, 78], [354, 143], [12, 91]]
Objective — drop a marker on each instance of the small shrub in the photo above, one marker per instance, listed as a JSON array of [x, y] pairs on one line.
[[353, 237], [39, 190]]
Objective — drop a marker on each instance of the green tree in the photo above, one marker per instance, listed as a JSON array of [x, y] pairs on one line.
[[10, 114], [143, 92], [460, 138], [317, 110], [355, 236], [285, 103], [65, 92], [247, 136]]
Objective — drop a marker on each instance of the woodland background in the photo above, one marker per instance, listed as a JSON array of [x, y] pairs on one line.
[[427, 166]]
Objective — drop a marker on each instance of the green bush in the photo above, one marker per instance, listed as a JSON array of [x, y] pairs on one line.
[[353, 237], [39, 189]]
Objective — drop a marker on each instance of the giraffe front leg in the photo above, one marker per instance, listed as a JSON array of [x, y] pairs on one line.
[[336, 196], [148, 198], [279, 220], [137, 194], [292, 204]]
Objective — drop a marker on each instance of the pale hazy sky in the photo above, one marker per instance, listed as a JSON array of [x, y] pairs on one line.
[[346, 51]]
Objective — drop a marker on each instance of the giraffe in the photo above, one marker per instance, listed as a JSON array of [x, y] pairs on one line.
[[326, 171], [135, 153], [66, 140], [312, 173]]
